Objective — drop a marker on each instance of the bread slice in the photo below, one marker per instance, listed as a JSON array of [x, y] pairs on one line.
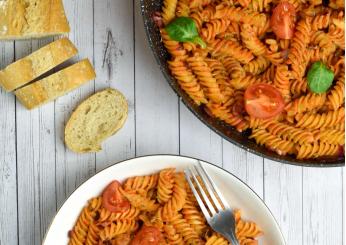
[[34, 65], [94, 120], [56, 85], [23, 19]]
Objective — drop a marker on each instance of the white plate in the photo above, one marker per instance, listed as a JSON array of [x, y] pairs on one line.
[[236, 192]]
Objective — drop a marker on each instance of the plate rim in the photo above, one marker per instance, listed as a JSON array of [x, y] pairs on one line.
[[308, 163], [165, 155]]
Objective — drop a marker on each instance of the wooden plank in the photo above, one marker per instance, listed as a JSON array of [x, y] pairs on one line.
[[246, 166], [156, 105], [35, 162], [8, 171], [197, 140], [71, 168], [114, 64], [283, 196], [322, 206]]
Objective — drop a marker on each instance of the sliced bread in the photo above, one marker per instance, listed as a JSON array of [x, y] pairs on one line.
[[56, 85], [23, 19], [94, 120], [34, 65]]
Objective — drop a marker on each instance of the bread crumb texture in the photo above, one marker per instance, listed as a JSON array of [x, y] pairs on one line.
[[36, 64], [97, 118], [56, 85], [32, 18]]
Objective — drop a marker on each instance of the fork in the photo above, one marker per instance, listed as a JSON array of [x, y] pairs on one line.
[[217, 211]]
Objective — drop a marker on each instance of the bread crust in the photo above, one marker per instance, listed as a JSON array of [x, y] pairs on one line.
[[23, 19], [34, 65], [85, 115], [56, 85]]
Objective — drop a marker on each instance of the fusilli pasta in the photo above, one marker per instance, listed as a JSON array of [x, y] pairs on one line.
[[242, 51], [185, 223]]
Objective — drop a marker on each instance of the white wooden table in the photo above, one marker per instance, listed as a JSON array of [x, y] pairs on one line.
[[37, 172]]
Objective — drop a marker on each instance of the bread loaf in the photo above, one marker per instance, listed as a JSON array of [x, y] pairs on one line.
[[34, 65], [22, 19], [94, 120], [55, 85]]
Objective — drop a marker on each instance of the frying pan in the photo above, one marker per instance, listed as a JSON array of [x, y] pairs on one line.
[[148, 7]]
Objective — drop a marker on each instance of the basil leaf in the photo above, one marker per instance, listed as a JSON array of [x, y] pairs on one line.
[[183, 29], [320, 78]]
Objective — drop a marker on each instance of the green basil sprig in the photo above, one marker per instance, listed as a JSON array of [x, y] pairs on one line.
[[320, 78], [183, 29]]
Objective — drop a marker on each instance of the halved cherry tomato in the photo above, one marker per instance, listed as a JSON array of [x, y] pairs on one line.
[[283, 20], [148, 235], [113, 200], [263, 101]]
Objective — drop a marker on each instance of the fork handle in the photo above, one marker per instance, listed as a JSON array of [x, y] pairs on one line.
[[231, 238]]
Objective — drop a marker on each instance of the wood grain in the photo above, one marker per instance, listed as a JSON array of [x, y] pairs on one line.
[[37, 172], [114, 65], [36, 166], [157, 118], [71, 168], [283, 195], [246, 166], [8, 167], [322, 206], [197, 140]]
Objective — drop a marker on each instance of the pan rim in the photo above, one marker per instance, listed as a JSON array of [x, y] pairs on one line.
[[306, 163]]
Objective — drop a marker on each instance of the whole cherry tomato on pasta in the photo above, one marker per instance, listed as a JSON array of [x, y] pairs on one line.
[[263, 101], [148, 235], [283, 20], [113, 200]]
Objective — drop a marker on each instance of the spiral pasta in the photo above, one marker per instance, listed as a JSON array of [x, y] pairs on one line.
[[330, 136], [210, 86], [305, 103], [298, 57], [244, 49], [320, 21], [316, 150], [299, 87], [222, 47], [168, 10], [246, 233], [141, 184], [251, 41], [187, 80], [280, 146], [323, 120], [116, 228], [282, 81], [336, 96], [185, 223], [257, 65]]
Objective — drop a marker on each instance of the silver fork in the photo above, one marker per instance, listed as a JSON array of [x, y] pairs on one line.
[[217, 211]]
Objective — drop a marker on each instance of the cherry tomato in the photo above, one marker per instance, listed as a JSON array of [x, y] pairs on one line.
[[263, 101], [148, 235], [283, 20], [113, 200]]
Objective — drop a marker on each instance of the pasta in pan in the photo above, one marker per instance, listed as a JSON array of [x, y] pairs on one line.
[[159, 208], [248, 44]]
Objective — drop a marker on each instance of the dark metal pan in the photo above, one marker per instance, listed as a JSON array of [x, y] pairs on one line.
[[148, 7]]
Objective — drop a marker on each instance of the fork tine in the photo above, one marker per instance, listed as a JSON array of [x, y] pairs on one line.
[[195, 192], [209, 189], [218, 192], [204, 195]]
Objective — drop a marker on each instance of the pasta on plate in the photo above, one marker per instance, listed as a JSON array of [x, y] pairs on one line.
[[160, 208], [244, 48]]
